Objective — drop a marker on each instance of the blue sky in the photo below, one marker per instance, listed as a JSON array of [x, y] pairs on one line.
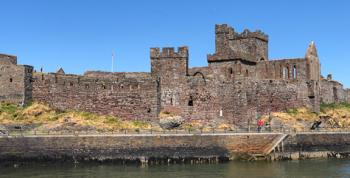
[[79, 35]]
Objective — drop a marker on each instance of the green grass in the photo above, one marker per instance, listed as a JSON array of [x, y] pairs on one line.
[[324, 107], [292, 111], [9, 108], [86, 115], [112, 120], [140, 124]]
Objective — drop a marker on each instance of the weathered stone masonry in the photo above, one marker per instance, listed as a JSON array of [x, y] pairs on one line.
[[239, 83], [173, 148], [128, 95], [15, 80]]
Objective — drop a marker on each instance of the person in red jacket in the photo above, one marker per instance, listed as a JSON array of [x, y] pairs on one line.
[[260, 124]]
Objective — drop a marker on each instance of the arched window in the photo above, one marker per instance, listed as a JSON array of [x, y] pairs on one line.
[[294, 72], [246, 73], [285, 72], [11, 79]]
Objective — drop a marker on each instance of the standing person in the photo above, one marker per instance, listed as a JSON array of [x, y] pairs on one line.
[[260, 124]]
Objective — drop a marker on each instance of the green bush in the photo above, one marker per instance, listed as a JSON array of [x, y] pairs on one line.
[[292, 111]]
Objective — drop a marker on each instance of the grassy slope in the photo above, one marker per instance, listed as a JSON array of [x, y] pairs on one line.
[[42, 117], [45, 118], [331, 115]]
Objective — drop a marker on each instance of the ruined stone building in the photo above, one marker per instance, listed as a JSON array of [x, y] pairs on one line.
[[239, 83]]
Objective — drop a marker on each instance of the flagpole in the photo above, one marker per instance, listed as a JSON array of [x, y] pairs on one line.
[[112, 61]]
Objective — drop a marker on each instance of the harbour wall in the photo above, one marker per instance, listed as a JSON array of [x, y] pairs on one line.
[[313, 145], [172, 148]]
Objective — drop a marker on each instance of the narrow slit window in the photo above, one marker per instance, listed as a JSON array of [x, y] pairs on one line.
[[190, 101]]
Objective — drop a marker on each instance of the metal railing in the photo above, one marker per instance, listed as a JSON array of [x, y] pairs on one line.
[[173, 131]]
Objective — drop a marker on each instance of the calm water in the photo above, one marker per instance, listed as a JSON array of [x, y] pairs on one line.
[[309, 168]]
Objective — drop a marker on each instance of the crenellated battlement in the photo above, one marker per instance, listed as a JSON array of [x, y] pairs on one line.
[[182, 52], [248, 34], [232, 35], [223, 28]]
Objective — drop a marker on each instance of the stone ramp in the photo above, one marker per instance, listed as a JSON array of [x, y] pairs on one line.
[[274, 144], [253, 145], [268, 148]]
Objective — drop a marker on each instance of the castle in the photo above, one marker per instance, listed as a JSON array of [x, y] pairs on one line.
[[239, 84]]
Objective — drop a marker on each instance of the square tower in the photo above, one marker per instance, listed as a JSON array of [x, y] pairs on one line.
[[230, 45]]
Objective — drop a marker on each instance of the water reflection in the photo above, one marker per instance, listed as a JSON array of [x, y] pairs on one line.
[[307, 168]]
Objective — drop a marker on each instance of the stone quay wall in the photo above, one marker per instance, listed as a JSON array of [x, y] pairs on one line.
[[139, 148], [174, 148], [314, 145]]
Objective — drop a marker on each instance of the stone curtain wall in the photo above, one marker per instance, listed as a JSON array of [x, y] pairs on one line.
[[133, 147], [129, 96], [240, 101]]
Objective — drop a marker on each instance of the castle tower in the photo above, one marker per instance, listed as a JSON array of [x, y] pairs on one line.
[[15, 81], [236, 54], [230, 45], [170, 68]]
